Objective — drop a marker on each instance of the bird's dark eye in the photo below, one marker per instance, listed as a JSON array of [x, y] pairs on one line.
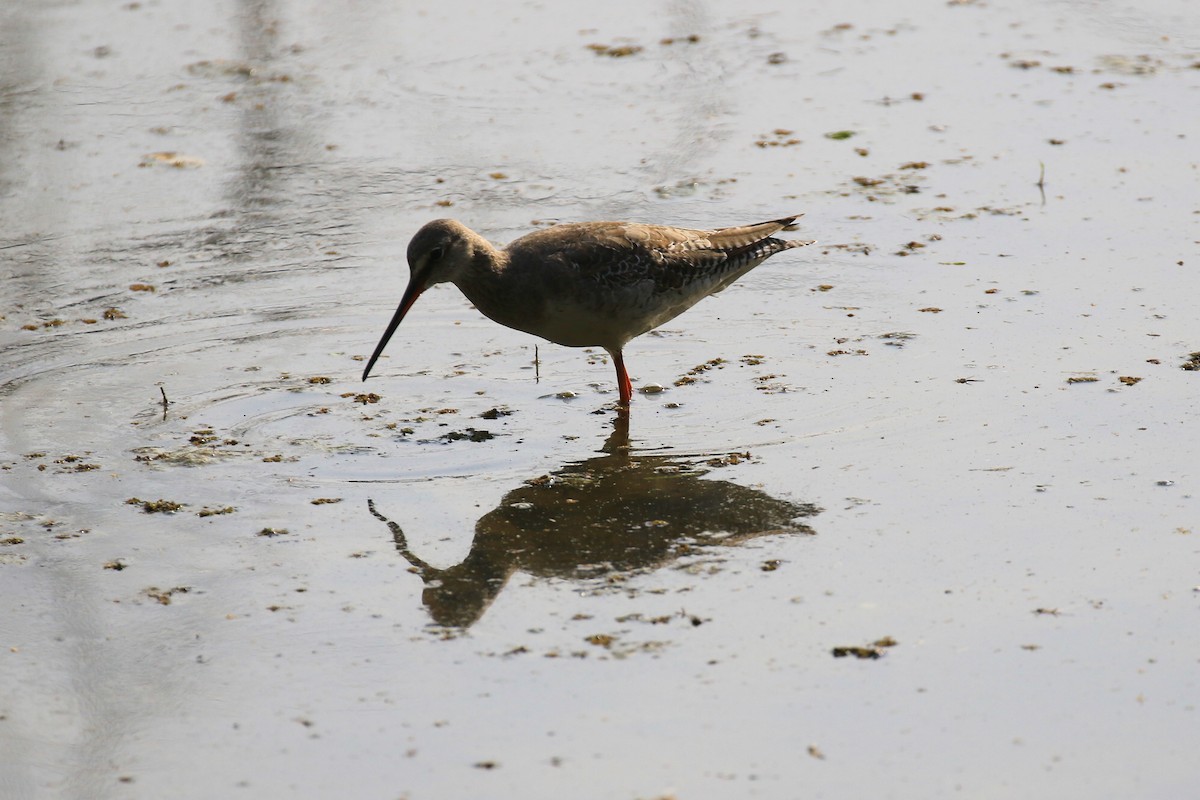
[[436, 254]]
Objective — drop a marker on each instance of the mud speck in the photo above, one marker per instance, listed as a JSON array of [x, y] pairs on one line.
[[159, 506], [163, 596], [213, 512], [468, 435]]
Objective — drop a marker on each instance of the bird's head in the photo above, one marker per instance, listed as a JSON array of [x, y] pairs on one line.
[[439, 252]]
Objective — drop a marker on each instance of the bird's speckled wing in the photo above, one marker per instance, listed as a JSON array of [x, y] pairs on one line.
[[621, 254], [624, 279]]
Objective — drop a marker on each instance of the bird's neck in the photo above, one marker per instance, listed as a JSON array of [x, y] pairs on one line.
[[485, 284]]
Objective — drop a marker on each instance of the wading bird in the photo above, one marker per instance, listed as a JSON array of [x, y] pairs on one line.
[[586, 284]]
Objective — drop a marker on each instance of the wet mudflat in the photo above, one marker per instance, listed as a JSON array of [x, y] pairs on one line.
[[914, 512]]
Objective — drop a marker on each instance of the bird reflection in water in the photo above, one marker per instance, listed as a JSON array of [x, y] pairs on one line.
[[618, 513]]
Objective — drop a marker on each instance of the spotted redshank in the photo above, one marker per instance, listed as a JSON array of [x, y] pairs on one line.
[[586, 284]]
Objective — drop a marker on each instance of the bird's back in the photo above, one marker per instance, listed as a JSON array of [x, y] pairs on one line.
[[603, 283]]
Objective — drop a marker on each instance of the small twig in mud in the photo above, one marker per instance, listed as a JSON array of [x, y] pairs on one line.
[[1041, 183], [537, 366], [165, 402]]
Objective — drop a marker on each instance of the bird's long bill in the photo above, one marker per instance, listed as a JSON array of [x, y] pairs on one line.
[[410, 296]]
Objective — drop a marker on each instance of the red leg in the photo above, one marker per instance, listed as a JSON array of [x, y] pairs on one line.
[[623, 383]]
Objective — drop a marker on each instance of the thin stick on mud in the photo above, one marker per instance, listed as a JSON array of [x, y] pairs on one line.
[[165, 402]]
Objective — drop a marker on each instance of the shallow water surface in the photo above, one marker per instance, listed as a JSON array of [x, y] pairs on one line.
[[914, 512]]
